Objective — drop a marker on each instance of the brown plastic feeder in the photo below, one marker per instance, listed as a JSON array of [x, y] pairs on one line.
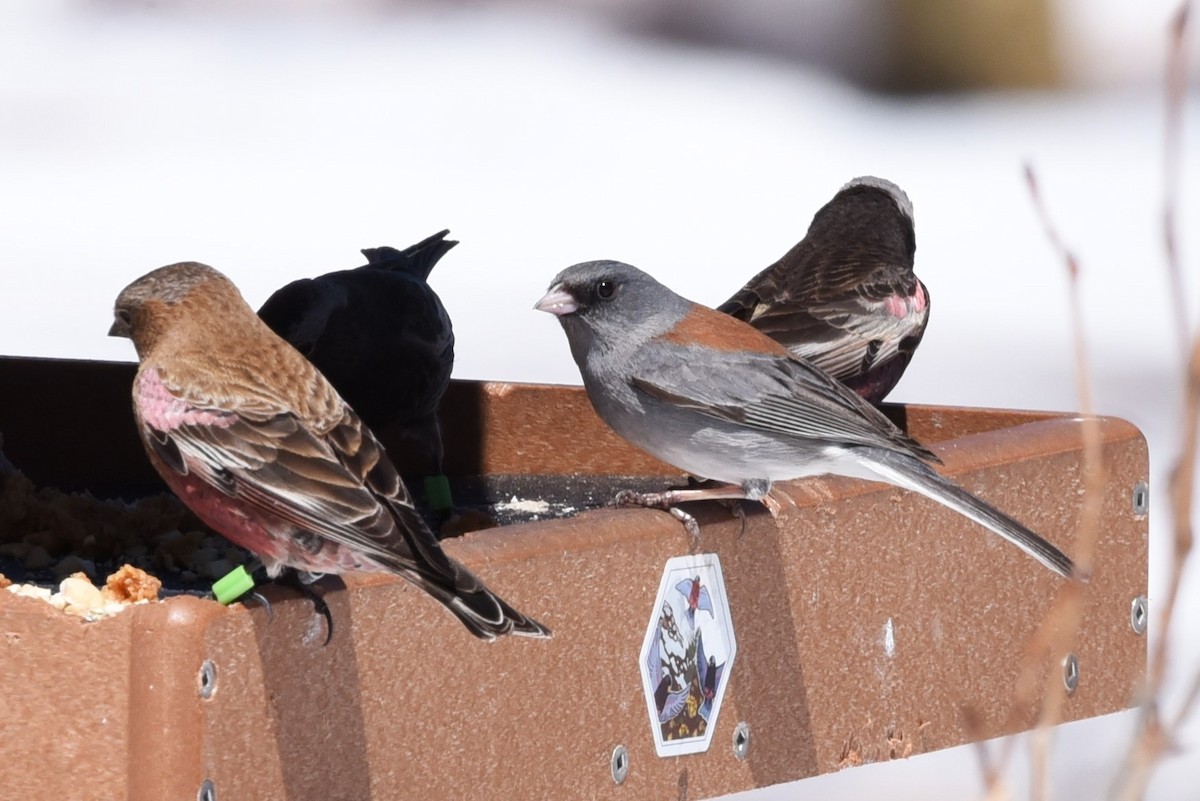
[[182, 698]]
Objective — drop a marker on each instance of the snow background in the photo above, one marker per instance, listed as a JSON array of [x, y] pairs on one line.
[[274, 143]]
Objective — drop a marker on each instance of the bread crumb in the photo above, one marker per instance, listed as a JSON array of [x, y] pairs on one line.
[[77, 595], [131, 584]]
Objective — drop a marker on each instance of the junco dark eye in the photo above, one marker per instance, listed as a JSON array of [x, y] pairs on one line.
[[605, 289]]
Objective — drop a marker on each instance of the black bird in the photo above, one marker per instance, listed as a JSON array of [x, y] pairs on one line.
[[381, 336]]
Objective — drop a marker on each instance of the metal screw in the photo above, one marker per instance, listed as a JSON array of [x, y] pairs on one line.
[[1141, 498], [619, 764], [1070, 672], [1139, 616], [207, 679], [741, 740], [208, 791]]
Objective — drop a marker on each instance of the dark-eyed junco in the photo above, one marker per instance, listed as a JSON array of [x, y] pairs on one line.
[[845, 298], [381, 336], [720, 400], [252, 437]]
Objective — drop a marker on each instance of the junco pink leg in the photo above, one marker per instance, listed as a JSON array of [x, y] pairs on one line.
[[669, 501]]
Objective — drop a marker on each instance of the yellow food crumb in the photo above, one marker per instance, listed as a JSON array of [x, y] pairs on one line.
[[131, 584]]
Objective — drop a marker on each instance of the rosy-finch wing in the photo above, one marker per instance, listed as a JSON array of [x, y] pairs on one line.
[[829, 308], [319, 484], [335, 484]]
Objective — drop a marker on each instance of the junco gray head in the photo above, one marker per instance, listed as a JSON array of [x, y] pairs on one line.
[[715, 397], [845, 297]]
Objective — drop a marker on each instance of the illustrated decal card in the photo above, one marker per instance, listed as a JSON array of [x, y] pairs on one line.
[[687, 654]]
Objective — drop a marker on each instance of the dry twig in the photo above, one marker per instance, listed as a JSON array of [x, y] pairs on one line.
[[1153, 740], [1056, 634]]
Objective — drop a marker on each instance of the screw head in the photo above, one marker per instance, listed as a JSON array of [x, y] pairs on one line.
[[619, 763], [1139, 615], [206, 681], [1141, 499], [1070, 667], [741, 740], [208, 791]]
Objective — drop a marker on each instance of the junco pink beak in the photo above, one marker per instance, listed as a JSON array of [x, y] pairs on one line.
[[557, 301]]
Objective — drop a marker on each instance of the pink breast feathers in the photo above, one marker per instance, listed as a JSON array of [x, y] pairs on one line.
[[900, 307], [256, 527], [163, 411]]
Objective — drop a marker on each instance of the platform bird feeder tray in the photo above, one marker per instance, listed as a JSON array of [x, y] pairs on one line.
[[871, 624]]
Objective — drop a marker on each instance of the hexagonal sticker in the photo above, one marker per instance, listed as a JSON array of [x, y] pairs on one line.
[[687, 654]]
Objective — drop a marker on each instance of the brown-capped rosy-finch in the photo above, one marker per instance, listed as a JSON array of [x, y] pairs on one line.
[[262, 448], [715, 397], [845, 298]]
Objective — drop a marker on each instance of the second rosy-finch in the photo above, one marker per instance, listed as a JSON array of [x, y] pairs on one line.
[[845, 297]]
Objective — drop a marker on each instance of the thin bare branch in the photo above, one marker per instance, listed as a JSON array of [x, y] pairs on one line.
[[1094, 473], [1153, 739], [1182, 477], [1058, 631], [1176, 88]]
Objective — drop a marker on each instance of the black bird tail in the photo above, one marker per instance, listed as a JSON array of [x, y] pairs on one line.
[[913, 474], [416, 260]]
